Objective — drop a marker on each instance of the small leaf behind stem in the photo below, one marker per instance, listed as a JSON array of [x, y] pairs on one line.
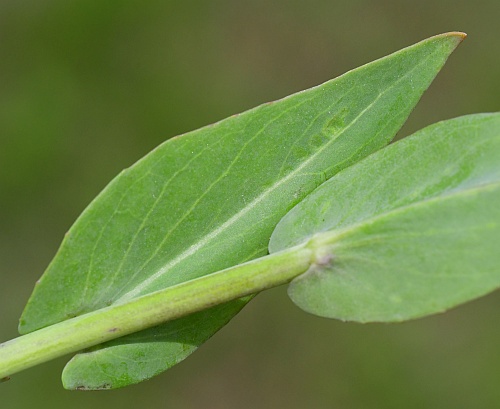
[[209, 200], [412, 230]]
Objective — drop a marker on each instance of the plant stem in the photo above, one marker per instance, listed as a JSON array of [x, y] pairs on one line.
[[153, 309]]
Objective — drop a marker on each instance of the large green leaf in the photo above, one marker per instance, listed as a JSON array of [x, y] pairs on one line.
[[210, 199], [412, 230]]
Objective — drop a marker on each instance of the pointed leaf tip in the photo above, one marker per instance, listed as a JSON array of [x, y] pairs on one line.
[[456, 36], [459, 35]]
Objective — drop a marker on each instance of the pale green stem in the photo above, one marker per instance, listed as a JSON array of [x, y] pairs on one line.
[[153, 309]]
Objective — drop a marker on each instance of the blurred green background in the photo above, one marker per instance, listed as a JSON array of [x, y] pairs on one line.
[[87, 87]]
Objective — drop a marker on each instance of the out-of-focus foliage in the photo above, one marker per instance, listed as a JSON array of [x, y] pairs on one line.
[[87, 87]]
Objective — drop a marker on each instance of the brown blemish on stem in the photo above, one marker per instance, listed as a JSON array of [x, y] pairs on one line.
[[324, 260]]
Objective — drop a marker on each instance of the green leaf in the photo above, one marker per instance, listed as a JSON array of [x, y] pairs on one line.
[[210, 199], [412, 230]]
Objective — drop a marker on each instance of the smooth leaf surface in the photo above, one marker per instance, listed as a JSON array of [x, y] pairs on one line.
[[413, 229], [210, 199]]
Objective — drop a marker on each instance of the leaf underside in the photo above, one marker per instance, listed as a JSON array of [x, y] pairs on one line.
[[414, 229], [210, 199]]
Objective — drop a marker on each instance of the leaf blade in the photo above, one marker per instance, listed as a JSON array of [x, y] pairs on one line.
[[399, 256], [177, 213]]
